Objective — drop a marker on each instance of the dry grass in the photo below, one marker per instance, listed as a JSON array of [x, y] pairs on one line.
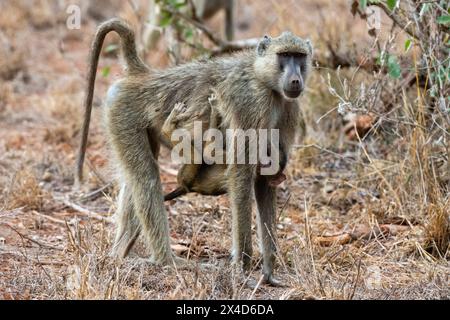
[[437, 239], [366, 218], [25, 192]]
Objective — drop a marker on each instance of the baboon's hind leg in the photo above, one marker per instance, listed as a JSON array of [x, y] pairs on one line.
[[128, 228], [141, 174]]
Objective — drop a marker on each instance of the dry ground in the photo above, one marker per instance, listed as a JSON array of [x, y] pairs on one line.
[[342, 232]]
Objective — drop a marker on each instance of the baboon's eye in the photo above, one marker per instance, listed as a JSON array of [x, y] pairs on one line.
[[298, 55]]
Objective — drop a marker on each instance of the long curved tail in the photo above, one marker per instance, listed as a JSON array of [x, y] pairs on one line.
[[133, 64]]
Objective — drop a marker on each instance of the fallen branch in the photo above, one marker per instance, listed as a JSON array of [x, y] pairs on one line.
[[360, 232], [207, 31], [96, 193], [82, 210], [222, 46], [40, 244], [58, 221]]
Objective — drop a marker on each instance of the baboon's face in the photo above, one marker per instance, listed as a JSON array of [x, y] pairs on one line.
[[283, 64], [293, 68]]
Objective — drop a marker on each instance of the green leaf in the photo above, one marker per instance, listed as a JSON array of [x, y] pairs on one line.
[[444, 19], [106, 71], [394, 68], [363, 4], [166, 19], [391, 4], [408, 44], [180, 5], [188, 34], [425, 9]]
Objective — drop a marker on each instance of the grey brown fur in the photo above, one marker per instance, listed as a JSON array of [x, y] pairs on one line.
[[252, 90]]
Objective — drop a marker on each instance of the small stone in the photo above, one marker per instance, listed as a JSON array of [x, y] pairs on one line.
[[47, 177], [329, 189]]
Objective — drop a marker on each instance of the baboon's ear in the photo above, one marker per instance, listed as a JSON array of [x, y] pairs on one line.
[[263, 45]]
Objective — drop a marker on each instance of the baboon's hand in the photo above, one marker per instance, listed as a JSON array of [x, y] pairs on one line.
[[181, 114], [212, 99], [277, 179], [180, 107]]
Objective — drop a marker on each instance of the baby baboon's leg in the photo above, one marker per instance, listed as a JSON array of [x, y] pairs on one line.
[[266, 221], [178, 192], [171, 123], [188, 172], [154, 143]]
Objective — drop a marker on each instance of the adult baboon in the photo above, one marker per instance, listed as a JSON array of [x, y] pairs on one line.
[[255, 89]]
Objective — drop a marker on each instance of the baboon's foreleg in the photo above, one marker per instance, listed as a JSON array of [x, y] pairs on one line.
[[240, 192], [265, 196]]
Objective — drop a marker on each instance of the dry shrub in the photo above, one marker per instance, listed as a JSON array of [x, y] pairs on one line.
[[59, 134], [13, 16], [64, 109], [11, 63], [305, 156], [437, 231], [26, 192], [42, 16], [6, 97]]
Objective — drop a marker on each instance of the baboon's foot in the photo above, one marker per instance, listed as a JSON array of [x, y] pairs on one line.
[[253, 283], [172, 262], [182, 263], [272, 281]]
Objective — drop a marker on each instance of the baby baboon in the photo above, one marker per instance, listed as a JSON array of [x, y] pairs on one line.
[[203, 178], [255, 89]]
